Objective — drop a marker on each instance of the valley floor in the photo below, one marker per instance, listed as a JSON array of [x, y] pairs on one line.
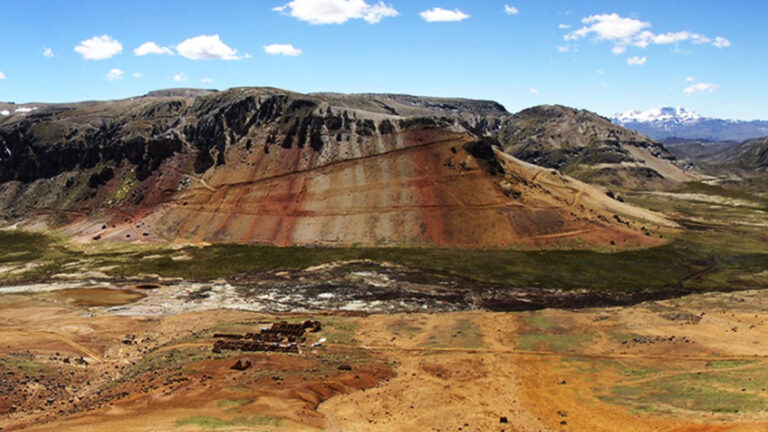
[[67, 363], [671, 338]]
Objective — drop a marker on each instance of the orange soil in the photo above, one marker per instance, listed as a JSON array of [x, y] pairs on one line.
[[420, 188]]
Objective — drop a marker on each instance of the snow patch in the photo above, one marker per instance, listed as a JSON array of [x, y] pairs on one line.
[[25, 110], [664, 115]]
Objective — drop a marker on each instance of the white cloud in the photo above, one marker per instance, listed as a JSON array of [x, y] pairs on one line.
[[563, 49], [138, 75], [599, 72], [721, 42], [151, 48], [48, 52], [282, 49], [180, 77], [336, 11], [637, 61], [206, 47], [115, 75], [700, 88], [2, 75], [608, 27], [99, 48], [443, 15], [674, 37], [564, 26], [624, 32], [511, 10], [690, 79], [533, 90], [206, 80]]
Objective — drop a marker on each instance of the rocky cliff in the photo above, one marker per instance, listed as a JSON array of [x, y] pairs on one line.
[[269, 166]]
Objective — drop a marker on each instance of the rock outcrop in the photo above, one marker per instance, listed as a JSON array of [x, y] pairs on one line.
[[269, 166]]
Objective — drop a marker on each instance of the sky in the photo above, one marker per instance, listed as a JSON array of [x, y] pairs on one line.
[[605, 56]]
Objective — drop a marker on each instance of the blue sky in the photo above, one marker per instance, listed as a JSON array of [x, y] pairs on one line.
[[568, 52]]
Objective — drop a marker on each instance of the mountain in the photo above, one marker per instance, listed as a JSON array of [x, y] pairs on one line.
[[747, 157], [589, 147], [263, 165], [664, 123], [697, 149], [750, 155]]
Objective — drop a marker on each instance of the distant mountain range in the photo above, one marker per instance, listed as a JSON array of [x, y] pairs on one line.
[[667, 122]]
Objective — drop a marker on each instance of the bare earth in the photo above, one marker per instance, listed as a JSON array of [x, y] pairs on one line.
[[695, 363]]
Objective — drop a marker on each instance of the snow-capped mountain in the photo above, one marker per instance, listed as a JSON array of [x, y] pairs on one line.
[[665, 117], [667, 122]]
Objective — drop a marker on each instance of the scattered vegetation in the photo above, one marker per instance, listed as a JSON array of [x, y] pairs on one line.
[[207, 422], [710, 392], [462, 334], [723, 247]]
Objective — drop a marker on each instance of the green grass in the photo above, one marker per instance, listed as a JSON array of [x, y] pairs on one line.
[[203, 422], [721, 390], [122, 191], [238, 389], [340, 329], [727, 364], [231, 403], [207, 422], [722, 248], [724, 191], [463, 333], [22, 364], [663, 266], [177, 358], [539, 333], [710, 393], [553, 342], [538, 321], [404, 326]]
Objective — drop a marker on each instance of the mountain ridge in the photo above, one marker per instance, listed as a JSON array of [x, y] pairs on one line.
[[669, 122], [262, 165]]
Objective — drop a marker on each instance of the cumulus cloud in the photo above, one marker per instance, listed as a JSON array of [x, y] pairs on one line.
[[637, 61], [99, 48], [206, 47], [206, 80], [563, 49], [115, 75], [336, 11], [564, 26], [443, 15], [48, 52], [282, 49], [152, 48], [533, 90], [511, 10], [624, 32], [700, 88], [608, 27], [2, 75], [138, 75], [721, 42], [690, 79], [645, 38], [181, 77]]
